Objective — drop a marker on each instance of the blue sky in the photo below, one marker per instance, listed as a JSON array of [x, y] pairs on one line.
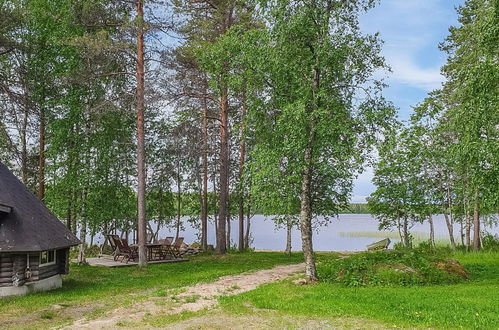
[[412, 30]]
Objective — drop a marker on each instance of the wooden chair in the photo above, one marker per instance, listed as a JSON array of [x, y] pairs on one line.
[[128, 252], [175, 248], [166, 245], [115, 243], [149, 237]]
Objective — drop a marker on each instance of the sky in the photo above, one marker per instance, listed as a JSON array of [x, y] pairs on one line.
[[411, 30]]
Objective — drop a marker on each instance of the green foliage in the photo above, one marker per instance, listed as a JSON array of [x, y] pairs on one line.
[[389, 268], [490, 242], [298, 113]]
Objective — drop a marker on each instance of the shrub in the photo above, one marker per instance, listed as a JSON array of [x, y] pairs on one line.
[[490, 242], [420, 266]]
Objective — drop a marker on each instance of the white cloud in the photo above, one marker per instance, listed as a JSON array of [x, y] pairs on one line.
[[412, 30], [406, 71]]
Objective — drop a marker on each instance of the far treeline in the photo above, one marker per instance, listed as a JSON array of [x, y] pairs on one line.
[[113, 112], [189, 206]]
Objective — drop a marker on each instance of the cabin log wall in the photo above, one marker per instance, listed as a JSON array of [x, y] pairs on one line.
[[5, 270], [11, 263]]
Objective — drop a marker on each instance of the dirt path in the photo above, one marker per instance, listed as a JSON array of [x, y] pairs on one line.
[[193, 298]]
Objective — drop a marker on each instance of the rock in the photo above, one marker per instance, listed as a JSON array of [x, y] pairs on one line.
[[300, 281], [452, 266]]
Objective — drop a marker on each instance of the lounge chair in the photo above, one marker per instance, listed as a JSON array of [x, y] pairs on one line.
[[114, 242], [175, 248], [128, 253]]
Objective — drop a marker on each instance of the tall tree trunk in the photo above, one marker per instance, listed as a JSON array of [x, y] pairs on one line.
[[69, 210], [405, 229], [141, 175], [450, 229], [224, 172], [215, 198], [74, 224], [224, 150], [476, 224], [399, 228], [468, 232], [449, 220], [306, 217], [179, 202], [228, 232], [204, 204], [41, 155], [83, 236], [289, 227], [24, 143], [248, 232], [461, 231], [242, 156], [229, 227], [248, 224], [432, 230], [306, 183]]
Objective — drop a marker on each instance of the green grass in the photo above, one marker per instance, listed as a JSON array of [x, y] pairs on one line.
[[91, 291], [472, 304]]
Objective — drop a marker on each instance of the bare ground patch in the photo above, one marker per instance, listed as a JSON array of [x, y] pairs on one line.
[[190, 299]]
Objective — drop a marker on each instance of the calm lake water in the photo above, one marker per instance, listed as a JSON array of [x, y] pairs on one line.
[[347, 232]]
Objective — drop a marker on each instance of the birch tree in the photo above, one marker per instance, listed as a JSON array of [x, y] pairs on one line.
[[320, 108]]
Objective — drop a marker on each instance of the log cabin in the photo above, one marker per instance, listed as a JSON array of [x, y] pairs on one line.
[[34, 244]]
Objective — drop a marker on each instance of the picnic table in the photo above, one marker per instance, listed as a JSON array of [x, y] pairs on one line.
[[162, 250], [155, 251]]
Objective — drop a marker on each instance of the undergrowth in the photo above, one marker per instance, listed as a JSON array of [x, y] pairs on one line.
[[419, 266]]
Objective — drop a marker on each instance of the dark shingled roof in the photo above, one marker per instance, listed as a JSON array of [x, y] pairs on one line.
[[29, 226]]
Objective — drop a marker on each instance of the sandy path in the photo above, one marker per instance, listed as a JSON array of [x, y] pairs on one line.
[[193, 298]]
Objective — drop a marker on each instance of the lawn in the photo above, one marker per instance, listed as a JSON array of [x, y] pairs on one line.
[[473, 304], [89, 291]]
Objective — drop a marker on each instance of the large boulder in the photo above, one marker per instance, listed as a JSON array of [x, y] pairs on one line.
[[452, 266]]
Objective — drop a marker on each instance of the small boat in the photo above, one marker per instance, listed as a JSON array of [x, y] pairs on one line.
[[380, 245]]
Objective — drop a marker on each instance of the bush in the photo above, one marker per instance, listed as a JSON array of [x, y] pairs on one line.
[[420, 266], [490, 242]]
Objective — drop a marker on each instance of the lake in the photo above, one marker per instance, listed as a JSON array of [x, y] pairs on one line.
[[347, 232]]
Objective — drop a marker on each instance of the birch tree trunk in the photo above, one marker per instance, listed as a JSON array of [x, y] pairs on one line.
[[450, 229], [306, 218], [179, 197], [468, 232], [476, 224], [450, 223], [432, 230], [83, 236], [405, 229], [399, 228], [248, 225], [288, 236]]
